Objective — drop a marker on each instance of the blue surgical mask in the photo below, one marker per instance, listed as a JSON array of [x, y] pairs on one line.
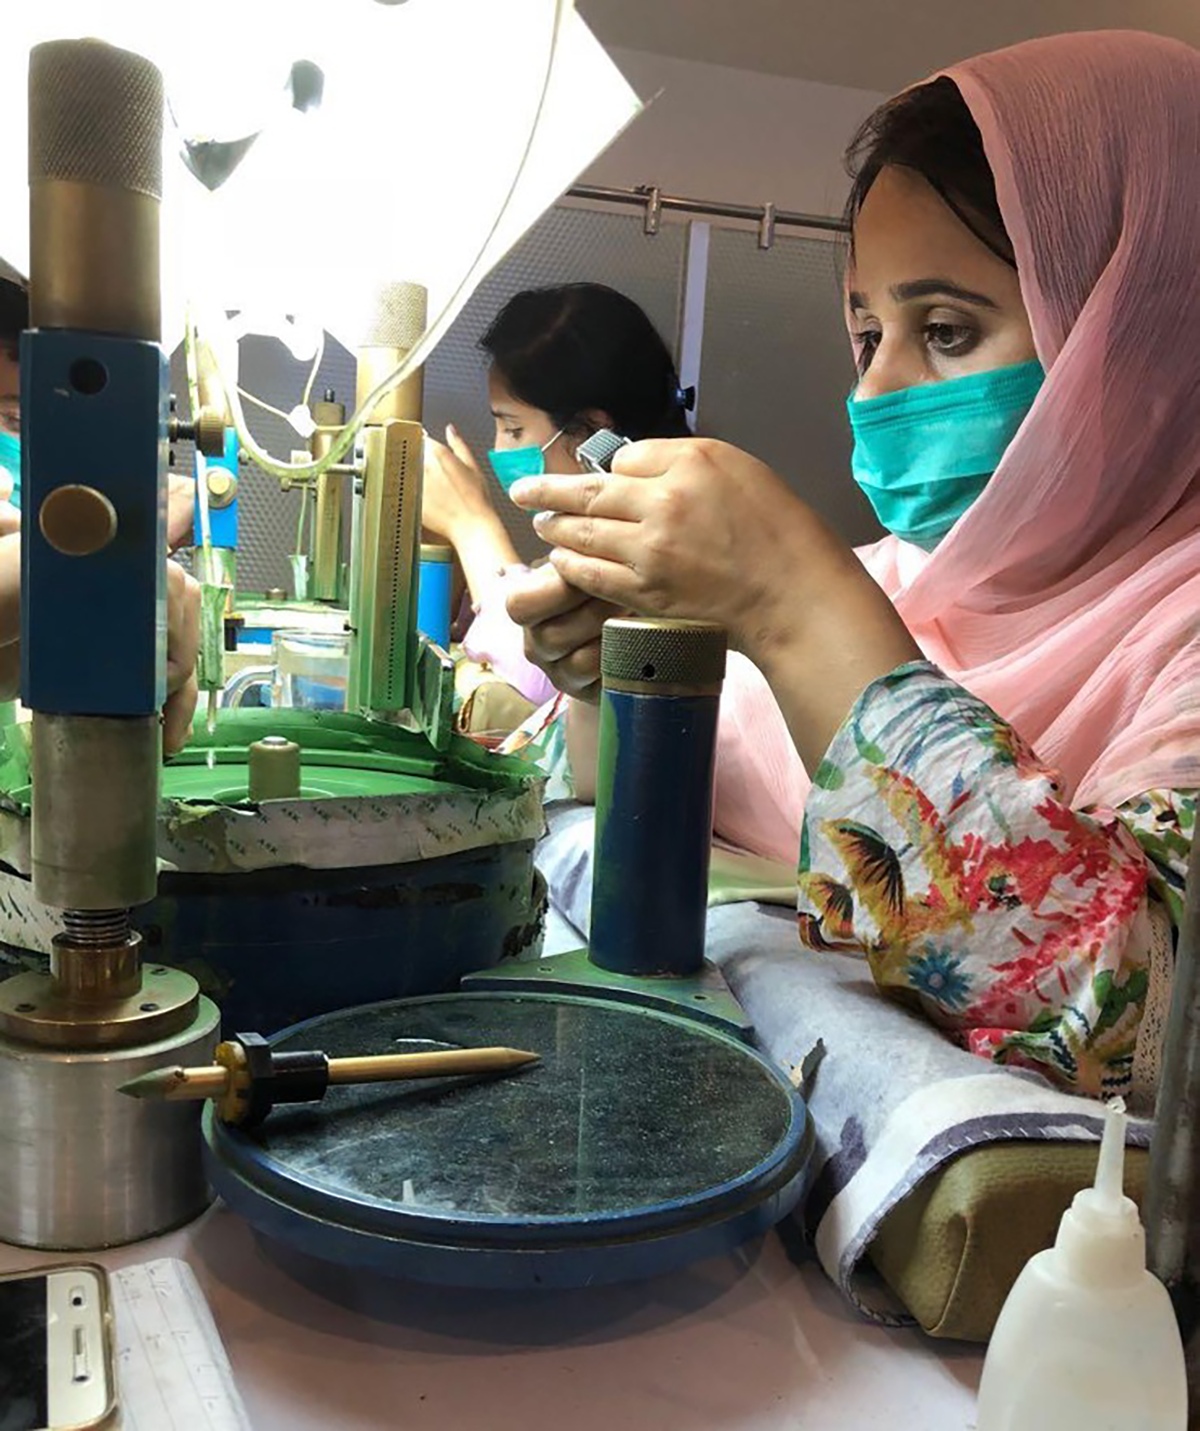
[[510, 464], [10, 459], [924, 454]]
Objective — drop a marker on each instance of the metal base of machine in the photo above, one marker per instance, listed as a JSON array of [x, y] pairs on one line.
[[83, 1167], [640, 1143], [33, 1010], [704, 996]]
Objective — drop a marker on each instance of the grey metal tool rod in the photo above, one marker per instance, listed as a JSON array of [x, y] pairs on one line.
[[1172, 1213]]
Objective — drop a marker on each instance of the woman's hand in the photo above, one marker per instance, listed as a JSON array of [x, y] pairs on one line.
[[10, 615], [183, 618], [562, 635], [455, 495], [698, 529], [562, 630], [10, 516], [181, 509], [456, 506], [683, 527], [183, 645]]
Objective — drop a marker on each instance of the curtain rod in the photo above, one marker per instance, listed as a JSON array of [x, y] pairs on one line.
[[650, 198]]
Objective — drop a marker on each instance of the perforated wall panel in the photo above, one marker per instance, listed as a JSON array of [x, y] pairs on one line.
[[775, 368]]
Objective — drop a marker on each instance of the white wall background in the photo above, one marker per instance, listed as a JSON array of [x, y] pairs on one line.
[[721, 133]]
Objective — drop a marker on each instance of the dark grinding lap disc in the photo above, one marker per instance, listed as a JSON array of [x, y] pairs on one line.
[[641, 1141]]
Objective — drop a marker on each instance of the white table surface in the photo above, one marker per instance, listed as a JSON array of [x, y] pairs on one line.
[[748, 1343]]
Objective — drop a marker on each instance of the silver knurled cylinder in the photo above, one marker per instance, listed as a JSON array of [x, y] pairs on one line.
[[95, 116], [398, 316], [656, 652], [95, 189]]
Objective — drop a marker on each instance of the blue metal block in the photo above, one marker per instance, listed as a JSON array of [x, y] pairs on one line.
[[435, 582], [93, 628], [222, 521]]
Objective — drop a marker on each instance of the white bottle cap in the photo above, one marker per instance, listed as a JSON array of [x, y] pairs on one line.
[[1101, 1235]]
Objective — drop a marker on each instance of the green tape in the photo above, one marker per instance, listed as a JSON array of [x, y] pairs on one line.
[[210, 663], [300, 570]]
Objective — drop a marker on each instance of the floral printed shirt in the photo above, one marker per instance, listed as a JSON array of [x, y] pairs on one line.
[[542, 739], [937, 846]]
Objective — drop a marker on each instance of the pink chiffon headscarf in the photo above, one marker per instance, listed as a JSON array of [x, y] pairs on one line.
[[1068, 595]]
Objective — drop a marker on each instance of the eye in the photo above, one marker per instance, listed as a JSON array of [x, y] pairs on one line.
[[950, 339], [865, 344], [514, 433]]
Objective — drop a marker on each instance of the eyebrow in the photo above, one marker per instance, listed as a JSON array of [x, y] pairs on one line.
[[504, 412], [929, 288]]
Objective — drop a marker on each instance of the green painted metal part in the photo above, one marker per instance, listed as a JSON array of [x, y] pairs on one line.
[[385, 569], [210, 661], [343, 755], [433, 699], [399, 869], [704, 997]]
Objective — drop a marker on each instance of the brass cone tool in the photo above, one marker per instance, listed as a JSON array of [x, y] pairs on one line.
[[250, 1077]]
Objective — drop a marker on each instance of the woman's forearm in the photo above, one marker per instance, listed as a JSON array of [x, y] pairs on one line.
[[583, 738], [10, 671], [10, 588], [820, 655], [484, 547]]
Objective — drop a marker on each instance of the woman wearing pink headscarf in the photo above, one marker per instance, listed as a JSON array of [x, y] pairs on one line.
[[999, 704]]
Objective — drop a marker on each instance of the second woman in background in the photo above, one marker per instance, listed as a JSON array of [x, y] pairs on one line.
[[564, 362]]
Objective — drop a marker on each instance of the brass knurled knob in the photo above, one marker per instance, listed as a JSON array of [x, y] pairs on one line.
[[650, 651], [222, 487], [77, 520]]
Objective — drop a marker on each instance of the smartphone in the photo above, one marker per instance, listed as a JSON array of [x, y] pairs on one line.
[[56, 1350]]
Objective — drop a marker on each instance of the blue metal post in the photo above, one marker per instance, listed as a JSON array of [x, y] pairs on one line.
[[654, 795]]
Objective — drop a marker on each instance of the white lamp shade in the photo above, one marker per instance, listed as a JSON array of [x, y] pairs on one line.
[[399, 174]]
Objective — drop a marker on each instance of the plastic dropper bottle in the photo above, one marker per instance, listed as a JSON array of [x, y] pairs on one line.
[[1087, 1340]]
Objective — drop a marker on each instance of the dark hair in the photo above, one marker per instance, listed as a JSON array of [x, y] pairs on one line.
[[14, 314], [579, 346], [930, 129]]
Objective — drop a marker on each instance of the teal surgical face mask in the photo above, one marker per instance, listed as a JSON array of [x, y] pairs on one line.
[[510, 464], [10, 459], [924, 454]]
